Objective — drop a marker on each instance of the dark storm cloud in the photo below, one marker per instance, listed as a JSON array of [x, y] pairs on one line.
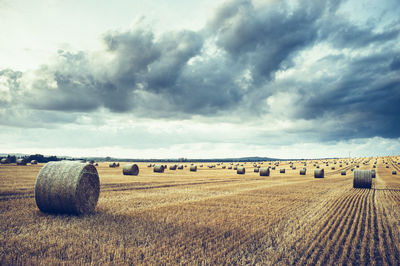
[[178, 75]]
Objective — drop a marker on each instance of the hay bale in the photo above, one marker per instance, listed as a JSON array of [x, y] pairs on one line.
[[193, 168], [5, 161], [362, 179], [223, 167], [67, 187], [149, 165], [117, 165], [343, 172], [282, 171], [394, 172], [294, 168], [256, 170], [373, 173], [112, 165], [303, 171], [319, 173], [180, 167], [240, 170], [374, 166], [201, 165], [229, 167], [96, 164], [172, 167], [158, 168], [273, 168], [333, 168], [22, 162], [264, 171], [34, 162], [235, 168], [130, 169], [318, 166], [387, 166]]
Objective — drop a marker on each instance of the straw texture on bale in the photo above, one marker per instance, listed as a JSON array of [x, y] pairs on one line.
[[67, 187], [193, 168], [343, 172], [282, 171], [256, 170], [130, 169], [319, 173], [241, 170], [303, 171], [158, 168], [264, 171], [362, 179], [22, 162]]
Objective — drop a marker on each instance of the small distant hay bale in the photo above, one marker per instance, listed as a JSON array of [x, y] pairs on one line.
[[229, 167], [193, 168], [357, 166], [333, 168], [240, 170], [149, 165], [158, 168], [264, 171], [343, 172], [282, 171], [223, 167], [5, 161], [340, 165], [303, 171], [319, 173], [317, 166], [22, 162], [273, 168], [235, 168], [34, 162], [374, 166], [387, 166], [362, 179], [373, 173], [394, 172], [256, 170], [201, 165], [96, 164], [112, 165], [172, 167], [117, 165], [67, 187], [130, 169], [294, 168], [180, 167]]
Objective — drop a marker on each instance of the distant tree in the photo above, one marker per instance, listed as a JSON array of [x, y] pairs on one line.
[[12, 158]]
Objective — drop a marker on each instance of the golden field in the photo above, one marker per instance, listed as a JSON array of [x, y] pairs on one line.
[[212, 216]]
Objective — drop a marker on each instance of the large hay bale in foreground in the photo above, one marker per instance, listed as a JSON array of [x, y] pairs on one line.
[[303, 171], [158, 168], [241, 170], [319, 173], [22, 162], [362, 179], [193, 168], [264, 171], [67, 187], [130, 169]]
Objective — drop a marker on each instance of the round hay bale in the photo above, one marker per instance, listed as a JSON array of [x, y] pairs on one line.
[[5, 161], [343, 172], [230, 167], [374, 166], [180, 167], [112, 165], [223, 167], [96, 164], [264, 171], [67, 187], [362, 179], [240, 170], [387, 166], [333, 168], [318, 166], [172, 167], [193, 168], [394, 172], [273, 168], [130, 169], [235, 168], [22, 162], [149, 165], [373, 173], [256, 170], [282, 171], [158, 168], [294, 168], [201, 165], [319, 173], [117, 165], [303, 171], [34, 162]]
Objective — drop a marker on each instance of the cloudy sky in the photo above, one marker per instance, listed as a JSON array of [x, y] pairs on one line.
[[200, 79]]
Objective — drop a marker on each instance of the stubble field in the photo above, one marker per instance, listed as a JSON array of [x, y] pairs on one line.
[[212, 216]]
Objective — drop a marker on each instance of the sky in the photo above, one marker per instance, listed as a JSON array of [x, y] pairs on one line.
[[200, 79]]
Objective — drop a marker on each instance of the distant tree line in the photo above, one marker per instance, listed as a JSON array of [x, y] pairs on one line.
[[38, 157]]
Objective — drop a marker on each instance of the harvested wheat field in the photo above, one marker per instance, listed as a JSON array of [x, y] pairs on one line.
[[212, 216]]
